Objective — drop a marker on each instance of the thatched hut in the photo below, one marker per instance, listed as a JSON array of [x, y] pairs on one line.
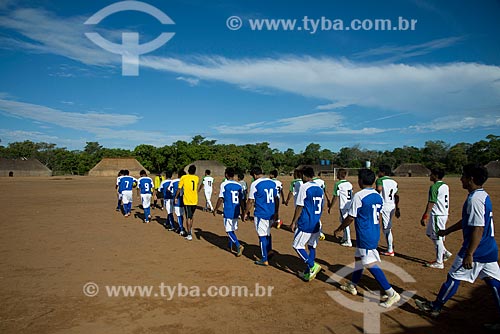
[[111, 167], [23, 167], [412, 170], [493, 168], [216, 168]]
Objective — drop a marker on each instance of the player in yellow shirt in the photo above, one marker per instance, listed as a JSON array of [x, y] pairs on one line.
[[188, 185]]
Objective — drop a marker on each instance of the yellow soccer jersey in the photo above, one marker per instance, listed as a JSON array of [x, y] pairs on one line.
[[190, 185]]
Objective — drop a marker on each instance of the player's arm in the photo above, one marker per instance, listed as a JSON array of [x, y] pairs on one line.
[[425, 216], [477, 235], [282, 196], [288, 198], [397, 213], [332, 203], [296, 215], [250, 203], [201, 185], [276, 208], [453, 228], [348, 221], [217, 205]]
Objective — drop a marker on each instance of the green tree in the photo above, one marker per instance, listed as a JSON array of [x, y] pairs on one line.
[[434, 153], [457, 157]]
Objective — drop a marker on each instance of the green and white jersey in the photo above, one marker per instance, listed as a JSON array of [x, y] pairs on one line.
[[208, 182], [439, 194], [343, 190], [320, 182], [389, 190]]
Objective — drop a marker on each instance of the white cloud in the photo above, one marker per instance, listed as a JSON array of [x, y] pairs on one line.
[[454, 123], [191, 81]]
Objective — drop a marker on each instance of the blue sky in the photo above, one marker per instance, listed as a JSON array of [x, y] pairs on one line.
[[378, 89]]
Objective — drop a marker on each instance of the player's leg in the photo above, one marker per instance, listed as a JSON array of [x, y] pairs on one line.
[[387, 228], [179, 212], [346, 238], [300, 240], [356, 274], [231, 227], [261, 226], [146, 204], [208, 197], [119, 204]]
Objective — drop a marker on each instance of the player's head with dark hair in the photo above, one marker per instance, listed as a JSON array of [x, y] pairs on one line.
[[241, 176], [192, 169], [342, 173], [308, 172], [256, 171], [476, 173], [366, 177], [125, 172], [438, 173], [384, 170], [229, 172], [297, 173], [168, 173], [142, 173], [207, 172], [180, 173], [120, 173], [273, 173]]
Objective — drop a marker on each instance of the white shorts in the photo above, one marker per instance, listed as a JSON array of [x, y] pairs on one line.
[[146, 200], [263, 226], [120, 196], [301, 239], [368, 256], [231, 225], [435, 224], [179, 211], [127, 196], [387, 215], [169, 205], [481, 270]]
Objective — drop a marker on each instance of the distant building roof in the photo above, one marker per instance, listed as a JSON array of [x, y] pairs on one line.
[[111, 167], [23, 167]]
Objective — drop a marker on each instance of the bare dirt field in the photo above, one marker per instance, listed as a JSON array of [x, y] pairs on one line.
[[59, 233]]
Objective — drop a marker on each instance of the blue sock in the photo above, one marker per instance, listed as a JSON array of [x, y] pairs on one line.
[[119, 204], [495, 287], [170, 219], [357, 273], [233, 239], [263, 247], [147, 212], [312, 254], [179, 221], [128, 207], [305, 257], [269, 243], [380, 277], [448, 290]]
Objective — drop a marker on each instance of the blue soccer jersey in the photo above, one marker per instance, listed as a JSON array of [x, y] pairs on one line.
[[365, 209], [478, 211], [165, 184], [263, 192], [310, 197], [174, 186], [145, 184], [126, 183], [231, 191]]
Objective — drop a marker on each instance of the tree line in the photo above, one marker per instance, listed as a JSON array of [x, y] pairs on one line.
[[78, 162]]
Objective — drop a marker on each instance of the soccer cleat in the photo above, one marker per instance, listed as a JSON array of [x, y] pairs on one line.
[[240, 251], [349, 287], [322, 236], [447, 256], [279, 223], [182, 233], [346, 243], [304, 275], [391, 300], [314, 271], [387, 253], [262, 263], [426, 306], [146, 222], [170, 228], [189, 237], [435, 265]]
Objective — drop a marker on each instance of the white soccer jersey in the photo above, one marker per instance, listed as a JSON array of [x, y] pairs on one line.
[[208, 182], [343, 190], [320, 183], [279, 186], [389, 191], [439, 194]]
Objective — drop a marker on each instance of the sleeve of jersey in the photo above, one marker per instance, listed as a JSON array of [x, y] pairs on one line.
[[181, 182], [221, 193], [336, 189], [301, 196], [252, 191], [433, 194], [355, 204], [477, 211]]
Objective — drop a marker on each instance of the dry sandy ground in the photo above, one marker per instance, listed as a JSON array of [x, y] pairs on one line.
[[57, 234]]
